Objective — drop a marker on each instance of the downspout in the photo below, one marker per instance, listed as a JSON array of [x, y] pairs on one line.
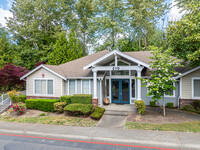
[[180, 92]]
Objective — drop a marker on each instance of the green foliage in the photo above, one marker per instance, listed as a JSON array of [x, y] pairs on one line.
[[140, 105], [196, 104], [98, 112], [79, 109], [183, 35], [14, 96], [19, 107], [59, 106], [22, 98], [188, 108], [81, 99], [65, 49], [153, 103], [41, 104], [42, 114], [66, 98], [170, 105]]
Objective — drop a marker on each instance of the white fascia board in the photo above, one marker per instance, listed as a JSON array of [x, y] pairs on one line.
[[108, 68], [190, 71], [83, 78], [42, 66], [119, 53]]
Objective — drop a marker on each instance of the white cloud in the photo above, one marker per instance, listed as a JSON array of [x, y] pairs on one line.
[[4, 13], [175, 13]]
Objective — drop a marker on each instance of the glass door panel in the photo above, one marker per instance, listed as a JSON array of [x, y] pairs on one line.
[[125, 91], [115, 91]]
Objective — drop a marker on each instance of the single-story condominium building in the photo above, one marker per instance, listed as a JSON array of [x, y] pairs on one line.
[[108, 74]]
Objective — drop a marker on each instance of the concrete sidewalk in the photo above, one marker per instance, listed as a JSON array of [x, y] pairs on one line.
[[109, 135]]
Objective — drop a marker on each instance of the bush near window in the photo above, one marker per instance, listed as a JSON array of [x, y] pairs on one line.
[[59, 106], [66, 98], [188, 108], [81, 99], [98, 113], [19, 107], [79, 109], [170, 105], [152, 103], [140, 105], [196, 104], [41, 104]]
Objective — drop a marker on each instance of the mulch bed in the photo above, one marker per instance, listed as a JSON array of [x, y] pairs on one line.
[[155, 115]]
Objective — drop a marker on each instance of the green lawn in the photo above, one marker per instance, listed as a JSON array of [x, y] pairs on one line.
[[180, 127], [56, 120]]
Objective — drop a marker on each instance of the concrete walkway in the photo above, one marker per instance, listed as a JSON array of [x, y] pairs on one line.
[[109, 135], [115, 115]]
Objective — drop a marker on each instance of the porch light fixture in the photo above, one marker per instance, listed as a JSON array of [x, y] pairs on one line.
[[43, 75]]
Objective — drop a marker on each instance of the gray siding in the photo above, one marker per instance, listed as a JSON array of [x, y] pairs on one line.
[[174, 100]]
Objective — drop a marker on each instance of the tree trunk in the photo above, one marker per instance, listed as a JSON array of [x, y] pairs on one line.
[[139, 39], [145, 40], [84, 45], [163, 106]]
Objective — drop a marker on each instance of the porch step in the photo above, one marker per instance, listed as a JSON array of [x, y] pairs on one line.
[[115, 113]]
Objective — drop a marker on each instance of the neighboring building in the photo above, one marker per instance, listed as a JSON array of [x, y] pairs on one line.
[[108, 74]]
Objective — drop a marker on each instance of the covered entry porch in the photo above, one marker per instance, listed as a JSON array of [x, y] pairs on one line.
[[119, 83]]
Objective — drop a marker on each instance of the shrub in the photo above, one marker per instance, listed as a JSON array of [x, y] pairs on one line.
[[79, 109], [42, 114], [98, 113], [140, 105], [188, 108], [41, 104], [196, 104], [22, 98], [152, 103], [13, 95], [19, 107], [59, 106], [66, 98], [81, 99], [170, 105]]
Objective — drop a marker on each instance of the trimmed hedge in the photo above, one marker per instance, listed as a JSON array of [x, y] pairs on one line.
[[152, 103], [98, 113], [22, 98], [41, 104], [170, 105], [140, 105], [79, 109], [81, 99], [188, 108], [66, 98], [59, 106]]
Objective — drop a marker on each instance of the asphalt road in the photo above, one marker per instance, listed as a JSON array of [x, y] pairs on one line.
[[20, 142]]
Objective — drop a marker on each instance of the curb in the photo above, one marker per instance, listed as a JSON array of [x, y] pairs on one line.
[[104, 139]]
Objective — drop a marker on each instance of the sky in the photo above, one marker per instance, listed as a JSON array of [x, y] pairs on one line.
[[5, 5]]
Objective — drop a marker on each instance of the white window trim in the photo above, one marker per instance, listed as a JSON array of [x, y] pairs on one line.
[[131, 89], [89, 86], [46, 87], [75, 86], [194, 78], [170, 96], [117, 65]]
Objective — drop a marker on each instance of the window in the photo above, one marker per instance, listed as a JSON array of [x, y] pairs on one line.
[[124, 72], [107, 87], [133, 88], [44, 86], [196, 87], [85, 87], [171, 93], [72, 87]]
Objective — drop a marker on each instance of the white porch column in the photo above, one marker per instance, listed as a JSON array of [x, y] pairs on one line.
[[95, 83], [139, 86], [100, 99]]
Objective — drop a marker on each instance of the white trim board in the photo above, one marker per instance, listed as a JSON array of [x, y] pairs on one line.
[[194, 78], [114, 52], [188, 72], [41, 66]]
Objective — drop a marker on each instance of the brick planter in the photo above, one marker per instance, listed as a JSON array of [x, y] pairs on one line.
[[184, 102], [95, 101]]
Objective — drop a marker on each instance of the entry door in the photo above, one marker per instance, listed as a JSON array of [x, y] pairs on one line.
[[120, 91]]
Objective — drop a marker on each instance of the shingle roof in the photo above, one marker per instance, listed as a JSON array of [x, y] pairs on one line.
[[75, 68]]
